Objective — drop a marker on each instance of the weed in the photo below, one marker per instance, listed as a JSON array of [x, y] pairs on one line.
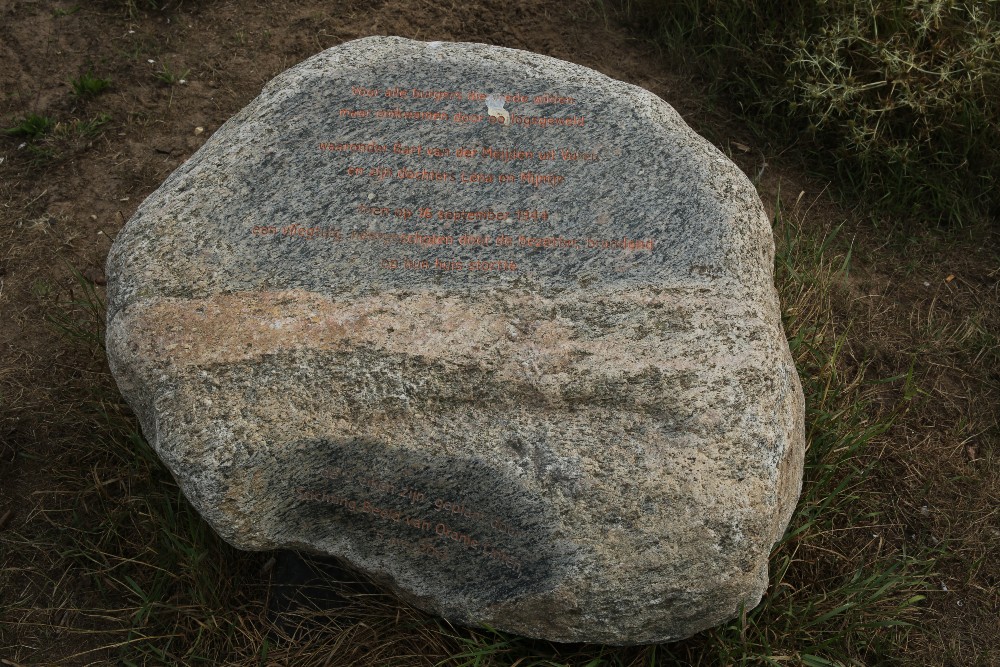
[[59, 11], [88, 85], [899, 98], [91, 128], [82, 318], [41, 289], [32, 126], [40, 155], [168, 76], [134, 7], [51, 140]]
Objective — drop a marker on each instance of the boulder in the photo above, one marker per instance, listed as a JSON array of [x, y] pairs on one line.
[[493, 328]]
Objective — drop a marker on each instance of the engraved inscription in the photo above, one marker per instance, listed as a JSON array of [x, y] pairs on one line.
[[513, 181], [431, 515], [420, 511]]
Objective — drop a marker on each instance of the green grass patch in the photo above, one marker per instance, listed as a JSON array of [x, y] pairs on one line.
[[31, 126], [88, 85], [169, 76], [50, 141], [135, 7], [898, 101], [59, 11], [89, 129]]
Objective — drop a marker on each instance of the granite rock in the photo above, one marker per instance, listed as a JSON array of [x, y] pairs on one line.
[[493, 328]]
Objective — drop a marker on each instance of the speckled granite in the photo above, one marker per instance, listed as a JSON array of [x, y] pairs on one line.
[[579, 422]]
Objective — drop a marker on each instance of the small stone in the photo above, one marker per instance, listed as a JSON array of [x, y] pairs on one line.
[[527, 374]]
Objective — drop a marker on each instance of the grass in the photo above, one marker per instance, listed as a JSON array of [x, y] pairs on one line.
[[31, 126], [896, 100], [50, 141], [834, 598], [146, 581], [135, 7], [169, 76], [59, 12], [88, 85], [93, 127], [103, 562]]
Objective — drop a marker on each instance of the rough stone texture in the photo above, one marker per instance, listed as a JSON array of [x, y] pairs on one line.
[[588, 441]]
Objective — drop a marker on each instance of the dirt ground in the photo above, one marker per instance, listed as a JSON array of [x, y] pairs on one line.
[[922, 305]]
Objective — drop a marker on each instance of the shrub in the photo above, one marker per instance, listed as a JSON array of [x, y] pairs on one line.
[[900, 100]]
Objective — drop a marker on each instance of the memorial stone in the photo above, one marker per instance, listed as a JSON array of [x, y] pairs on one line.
[[493, 328]]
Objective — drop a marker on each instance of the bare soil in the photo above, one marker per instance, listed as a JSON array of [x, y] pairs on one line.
[[920, 309]]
